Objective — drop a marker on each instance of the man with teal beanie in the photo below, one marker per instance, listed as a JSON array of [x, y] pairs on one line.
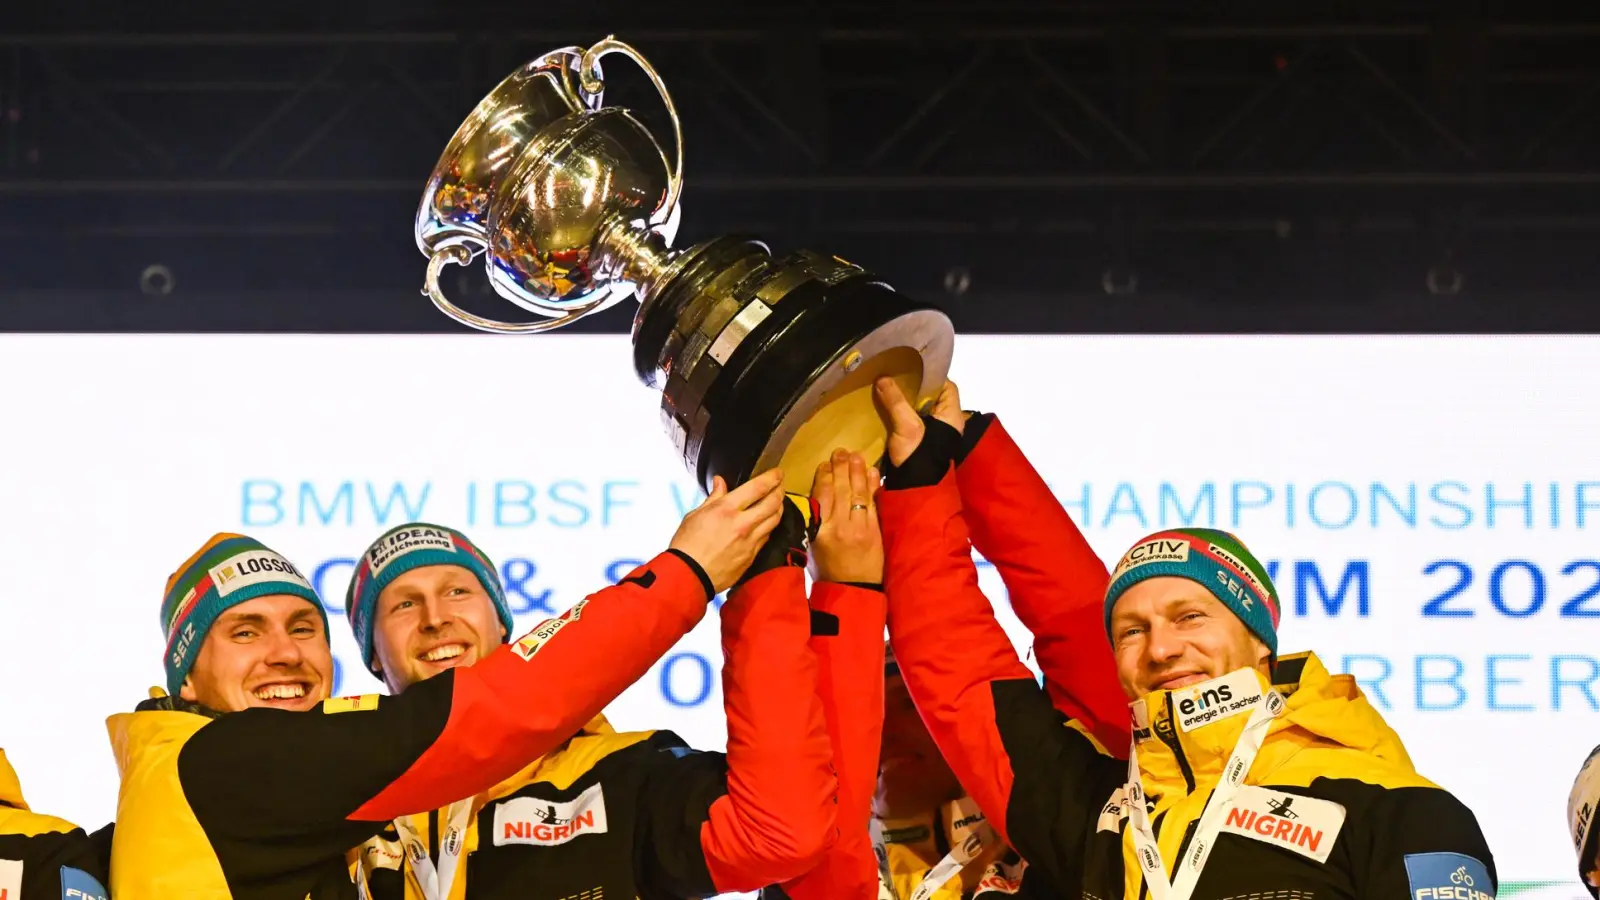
[[1250, 772]]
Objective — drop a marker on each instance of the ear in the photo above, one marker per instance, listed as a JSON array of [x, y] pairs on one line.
[[1263, 654], [504, 634], [187, 690]]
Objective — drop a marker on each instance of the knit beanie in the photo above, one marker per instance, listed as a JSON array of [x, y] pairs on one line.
[[408, 547], [1215, 559], [229, 570]]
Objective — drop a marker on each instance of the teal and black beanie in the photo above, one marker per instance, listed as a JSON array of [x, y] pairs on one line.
[[1215, 559], [413, 546], [229, 570]]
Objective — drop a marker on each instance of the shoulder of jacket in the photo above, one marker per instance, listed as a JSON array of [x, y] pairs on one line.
[[26, 823], [563, 767]]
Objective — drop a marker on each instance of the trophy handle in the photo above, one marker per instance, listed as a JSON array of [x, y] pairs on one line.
[[593, 82], [460, 255]]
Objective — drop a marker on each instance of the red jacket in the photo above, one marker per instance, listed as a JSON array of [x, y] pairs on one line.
[[1056, 581], [1057, 586]]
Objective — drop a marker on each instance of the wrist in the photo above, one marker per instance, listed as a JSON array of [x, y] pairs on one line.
[[929, 462], [972, 433]]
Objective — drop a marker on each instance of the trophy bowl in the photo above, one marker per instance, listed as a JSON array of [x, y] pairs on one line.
[[761, 361]]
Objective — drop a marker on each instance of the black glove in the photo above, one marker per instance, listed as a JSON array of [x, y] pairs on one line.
[[972, 433], [927, 464], [786, 546]]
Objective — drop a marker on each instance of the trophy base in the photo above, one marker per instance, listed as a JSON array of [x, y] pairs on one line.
[[766, 362], [839, 409]]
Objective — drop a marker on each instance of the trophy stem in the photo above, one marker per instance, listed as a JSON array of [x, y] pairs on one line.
[[636, 255]]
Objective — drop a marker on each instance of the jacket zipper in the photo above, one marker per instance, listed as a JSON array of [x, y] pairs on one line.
[[1177, 748], [433, 838]]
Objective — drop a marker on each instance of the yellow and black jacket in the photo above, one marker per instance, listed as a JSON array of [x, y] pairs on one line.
[[911, 847], [264, 804], [43, 857], [640, 814], [1331, 808]]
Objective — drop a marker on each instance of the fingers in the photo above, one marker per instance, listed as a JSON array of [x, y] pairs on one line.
[[822, 488], [764, 527], [756, 489], [840, 464], [859, 494], [903, 418], [768, 505], [874, 482]]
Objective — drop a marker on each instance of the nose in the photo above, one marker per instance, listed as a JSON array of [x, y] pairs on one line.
[[1164, 644], [435, 614], [283, 650]]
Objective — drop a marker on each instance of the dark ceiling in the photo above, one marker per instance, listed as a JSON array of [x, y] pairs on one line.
[[1072, 167]]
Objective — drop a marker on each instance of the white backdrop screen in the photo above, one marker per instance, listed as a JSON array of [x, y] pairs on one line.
[[1430, 507]]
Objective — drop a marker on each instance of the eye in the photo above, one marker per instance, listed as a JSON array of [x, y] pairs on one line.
[[402, 605], [459, 591], [304, 629], [1189, 616], [244, 634]]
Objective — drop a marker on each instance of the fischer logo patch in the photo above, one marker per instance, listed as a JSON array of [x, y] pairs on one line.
[[1215, 700], [546, 823], [1447, 876], [10, 879], [254, 567], [1304, 825], [1162, 549], [534, 641], [400, 543], [77, 884]]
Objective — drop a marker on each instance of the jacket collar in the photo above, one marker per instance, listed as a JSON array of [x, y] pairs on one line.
[[1185, 736]]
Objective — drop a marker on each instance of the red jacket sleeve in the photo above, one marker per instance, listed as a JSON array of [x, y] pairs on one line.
[[848, 639], [359, 761], [1038, 781], [1056, 581], [502, 710], [778, 817]]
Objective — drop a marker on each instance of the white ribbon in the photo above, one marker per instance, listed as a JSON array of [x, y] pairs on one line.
[[1266, 708], [977, 839], [434, 882]]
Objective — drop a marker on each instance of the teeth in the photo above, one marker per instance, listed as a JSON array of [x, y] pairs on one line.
[[281, 692], [448, 651]]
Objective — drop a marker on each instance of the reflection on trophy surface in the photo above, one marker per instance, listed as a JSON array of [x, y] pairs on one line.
[[760, 361]]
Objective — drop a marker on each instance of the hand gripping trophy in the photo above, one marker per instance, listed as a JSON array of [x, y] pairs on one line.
[[760, 361]]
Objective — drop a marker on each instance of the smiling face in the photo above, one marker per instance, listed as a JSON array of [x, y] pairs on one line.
[[1168, 632], [431, 619], [270, 652], [913, 778]]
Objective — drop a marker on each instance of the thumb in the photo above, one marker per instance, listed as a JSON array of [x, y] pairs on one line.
[[903, 419], [719, 489], [947, 406]]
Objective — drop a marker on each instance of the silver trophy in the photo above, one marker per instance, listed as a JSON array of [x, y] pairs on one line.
[[761, 361]]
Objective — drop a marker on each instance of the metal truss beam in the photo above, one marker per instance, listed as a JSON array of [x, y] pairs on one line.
[[1140, 136]]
